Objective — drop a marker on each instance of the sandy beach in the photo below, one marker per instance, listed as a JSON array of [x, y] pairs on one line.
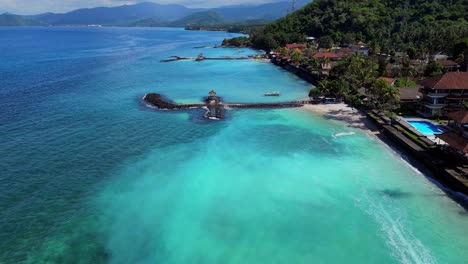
[[344, 113]]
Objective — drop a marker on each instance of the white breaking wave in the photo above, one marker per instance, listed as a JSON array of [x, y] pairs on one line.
[[342, 134], [405, 247]]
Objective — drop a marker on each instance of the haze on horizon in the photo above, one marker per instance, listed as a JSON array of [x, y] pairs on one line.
[[31, 7]]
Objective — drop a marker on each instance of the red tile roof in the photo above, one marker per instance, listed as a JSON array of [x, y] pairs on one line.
[[388, 80], [459, 116], [449, 81], [296, 46], [330, 55], [345, 50], [409, 93], [448, 63], [455, 141]]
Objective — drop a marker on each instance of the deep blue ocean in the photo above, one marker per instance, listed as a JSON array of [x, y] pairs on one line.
[[90, 174]]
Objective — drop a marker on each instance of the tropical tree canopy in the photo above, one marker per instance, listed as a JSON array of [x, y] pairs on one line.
[[414, 25]]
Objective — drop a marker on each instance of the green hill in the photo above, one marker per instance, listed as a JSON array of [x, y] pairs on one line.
[[153, 14], [15, 20], [150, 22], [386, 25], [199, 18]]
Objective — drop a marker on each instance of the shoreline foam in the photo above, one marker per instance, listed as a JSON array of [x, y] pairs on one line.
[[356, 119], [346, 114]]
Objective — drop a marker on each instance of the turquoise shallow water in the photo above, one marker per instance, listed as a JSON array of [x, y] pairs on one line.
[[91, 175]]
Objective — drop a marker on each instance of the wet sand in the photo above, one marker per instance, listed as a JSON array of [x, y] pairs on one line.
[[344, 113]]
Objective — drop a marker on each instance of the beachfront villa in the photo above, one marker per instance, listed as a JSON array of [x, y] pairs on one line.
[[444, 94], [457, 139], [449, 65], [293, 46]]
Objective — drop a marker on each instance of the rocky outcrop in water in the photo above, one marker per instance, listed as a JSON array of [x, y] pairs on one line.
[[159, 102]]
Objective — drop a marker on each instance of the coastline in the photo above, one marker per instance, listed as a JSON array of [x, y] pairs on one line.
[[354, 118], [346, 114]]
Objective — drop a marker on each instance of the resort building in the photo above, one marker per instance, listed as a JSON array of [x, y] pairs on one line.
[[443, 94], [312, 41], [323, 55], [438, 56], [351, 49], [459, 121], [296, 46], [449, 65], [328, 60], [457, 139], [409, 98]]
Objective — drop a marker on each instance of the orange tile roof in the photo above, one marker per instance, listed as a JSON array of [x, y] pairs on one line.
[[448, 63], [296, 46], [449, 81], [459, 116], [455, 141], [330, 55], [345, 50], [388, 80]]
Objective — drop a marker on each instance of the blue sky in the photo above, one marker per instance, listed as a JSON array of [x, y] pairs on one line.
[[26, 7]]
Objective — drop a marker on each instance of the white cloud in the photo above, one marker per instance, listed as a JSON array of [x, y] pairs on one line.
[[60, 6]]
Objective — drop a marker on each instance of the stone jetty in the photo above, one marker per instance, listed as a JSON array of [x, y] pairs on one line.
[[158, 101], [214, 105], [199, 58]]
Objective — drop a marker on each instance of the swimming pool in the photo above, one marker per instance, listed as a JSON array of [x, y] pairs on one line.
[[426, 127]]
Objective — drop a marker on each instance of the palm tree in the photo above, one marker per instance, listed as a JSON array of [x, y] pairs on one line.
[[325, 63], [314, 64], [407, 70], [296, 56], [383, 96]]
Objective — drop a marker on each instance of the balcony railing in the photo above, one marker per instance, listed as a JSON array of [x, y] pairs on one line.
[[431, 105], [437, 95]]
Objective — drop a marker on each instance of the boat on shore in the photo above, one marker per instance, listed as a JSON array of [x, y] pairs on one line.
[[272, 94]]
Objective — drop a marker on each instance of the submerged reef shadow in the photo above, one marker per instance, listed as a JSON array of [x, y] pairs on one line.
[[394, 193]]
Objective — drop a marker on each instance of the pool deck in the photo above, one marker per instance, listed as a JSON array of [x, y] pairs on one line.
[[430, 136], [447, 170]]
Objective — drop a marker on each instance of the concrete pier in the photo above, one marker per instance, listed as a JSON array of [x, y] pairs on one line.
[[177, 58], [214, 105]]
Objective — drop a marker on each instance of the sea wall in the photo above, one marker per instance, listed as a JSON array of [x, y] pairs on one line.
[[432, 159], [313, 79]]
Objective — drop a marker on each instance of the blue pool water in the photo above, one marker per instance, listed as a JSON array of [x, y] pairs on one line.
[[88, 174], [426, 127]]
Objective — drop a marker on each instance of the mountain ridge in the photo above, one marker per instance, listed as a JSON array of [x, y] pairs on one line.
[[161, 14], [7, 19]]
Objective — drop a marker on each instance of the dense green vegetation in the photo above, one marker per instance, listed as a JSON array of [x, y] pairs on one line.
[[245, 27], [402, 82], [236, 42], [15, 20], [199, 18], [386, 25], [353, 74]]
